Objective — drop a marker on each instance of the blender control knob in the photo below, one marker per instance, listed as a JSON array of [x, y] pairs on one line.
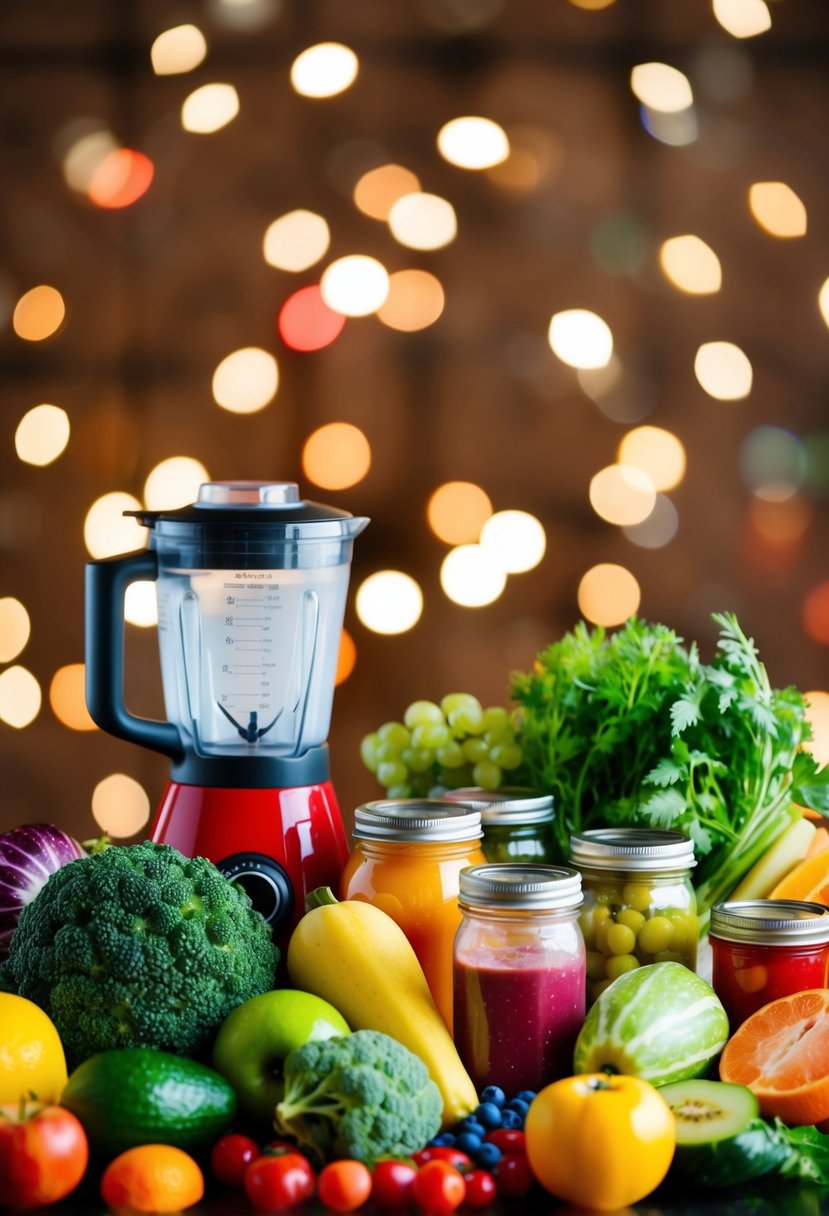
[[265, 881]]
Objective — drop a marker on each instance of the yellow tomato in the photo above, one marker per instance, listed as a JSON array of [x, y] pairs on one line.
[[599, 1141], [31, 1053]]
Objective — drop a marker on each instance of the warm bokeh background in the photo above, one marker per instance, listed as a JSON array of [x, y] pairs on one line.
[[134, 262]]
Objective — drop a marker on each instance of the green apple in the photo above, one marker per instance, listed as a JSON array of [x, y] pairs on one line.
[[255, 1038]]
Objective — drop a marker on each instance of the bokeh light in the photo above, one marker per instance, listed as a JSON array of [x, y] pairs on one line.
[[324, 70], [389, 602], [305, 321], [15, 628], [67, 697], [772, 463], [817, 713], [691, 265], [622, 494], [209, 108], [415, 301], [42, 434], [141, 604], [723, 370], [346, 658], [336, 456], [88, 145], [470, 577], [661, 87], [20, 697], [473, 143], [780, 523], [457, 511], [244, 15], [423, 221], [379, 189], [107, 531], [592, 6], [120, 806], [580, 338], [38, 313], [355, 285], [677, 129], [742, 18], [246, 380], [535, 154], [823, 301], [514, 540], [177, 50], [173, 483], [659, 529], [120, 179], [608, 594], [777, 209], [657, 452], [816, 613], [296, 241]]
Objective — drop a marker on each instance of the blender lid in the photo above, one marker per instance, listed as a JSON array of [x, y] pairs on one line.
[[269, 503]]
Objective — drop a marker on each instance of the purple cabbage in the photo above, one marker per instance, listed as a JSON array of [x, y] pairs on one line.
[[28, 855]]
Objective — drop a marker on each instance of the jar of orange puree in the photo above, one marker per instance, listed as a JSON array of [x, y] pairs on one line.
[[407, 860]]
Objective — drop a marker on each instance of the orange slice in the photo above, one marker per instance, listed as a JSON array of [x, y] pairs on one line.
[[781, 1052], [820, 842], [808, 880]]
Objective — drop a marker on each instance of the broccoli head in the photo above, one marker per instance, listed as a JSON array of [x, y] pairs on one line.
[[360, 1096], [139, 946]]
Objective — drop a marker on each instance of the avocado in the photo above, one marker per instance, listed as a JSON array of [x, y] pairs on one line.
[[137, 1095]]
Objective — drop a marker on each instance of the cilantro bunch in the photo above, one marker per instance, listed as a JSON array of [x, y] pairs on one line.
[[634, 729]]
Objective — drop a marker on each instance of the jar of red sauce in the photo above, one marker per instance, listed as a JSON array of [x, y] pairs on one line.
[[764, 949], [407, 859], [520, 975]]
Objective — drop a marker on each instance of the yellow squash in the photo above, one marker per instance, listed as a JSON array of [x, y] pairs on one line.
[[355, 956]]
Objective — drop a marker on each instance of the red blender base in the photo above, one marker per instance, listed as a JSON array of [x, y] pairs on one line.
[[279, 844]]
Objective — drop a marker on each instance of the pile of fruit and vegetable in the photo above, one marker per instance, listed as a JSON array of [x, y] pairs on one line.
[[156, 1044]]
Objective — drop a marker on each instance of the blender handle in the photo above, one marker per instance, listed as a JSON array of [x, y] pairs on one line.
[[106, 584]]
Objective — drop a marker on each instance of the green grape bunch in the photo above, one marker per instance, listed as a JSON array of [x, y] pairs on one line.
[[447, 746]]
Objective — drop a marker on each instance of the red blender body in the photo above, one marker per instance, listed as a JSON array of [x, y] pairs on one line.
[[251, 584]]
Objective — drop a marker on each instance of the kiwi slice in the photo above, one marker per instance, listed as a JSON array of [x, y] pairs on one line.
[[720, 1138]]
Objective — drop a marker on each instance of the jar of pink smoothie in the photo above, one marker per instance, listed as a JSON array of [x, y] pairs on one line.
[[519, 974]]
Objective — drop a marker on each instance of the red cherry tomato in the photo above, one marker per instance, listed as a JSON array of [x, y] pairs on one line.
[[391, 1184], [508, 1140], [344, 1186], [480, 1189], [230, 1157], [43, 1154], [443, 1152], [438, 1188], [514, 1177], [275, 1183]]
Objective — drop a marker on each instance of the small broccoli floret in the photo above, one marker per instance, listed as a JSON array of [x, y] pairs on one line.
[[139, 946], [360, 1096]]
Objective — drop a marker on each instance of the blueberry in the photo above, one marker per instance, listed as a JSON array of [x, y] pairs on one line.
[[511, 1119], [444, 1138], [471, 1125], [526, 1095], [489, 1115], [487, 1156], [468, 1142], [494, 1094]]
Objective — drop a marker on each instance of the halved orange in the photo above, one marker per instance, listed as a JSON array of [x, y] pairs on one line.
[[808, 880], [781, 1052]]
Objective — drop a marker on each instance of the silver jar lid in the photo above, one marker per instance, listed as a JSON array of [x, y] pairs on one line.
[[637, 849], [509, 804], [770, 922], [511, 885], [404, 820]]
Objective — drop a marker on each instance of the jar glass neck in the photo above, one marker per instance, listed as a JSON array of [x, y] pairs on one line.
[[532, 915], [602, 873], [417, 849]]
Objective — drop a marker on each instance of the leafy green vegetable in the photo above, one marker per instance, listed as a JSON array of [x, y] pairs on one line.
[[759, 1150], [634, 729]]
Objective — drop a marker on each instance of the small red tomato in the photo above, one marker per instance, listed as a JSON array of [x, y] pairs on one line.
[[509, 1140], [443, 1152], [43, 1154], [480, 1189], [514, 1177], [391, 1183], [230, 1157], [275, 1183], [344, 1186], [438, 1188]]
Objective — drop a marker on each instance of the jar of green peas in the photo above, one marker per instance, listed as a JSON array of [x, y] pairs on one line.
[[639, 902]]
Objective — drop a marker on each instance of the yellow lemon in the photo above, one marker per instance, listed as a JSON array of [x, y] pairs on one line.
[[31, 1053]]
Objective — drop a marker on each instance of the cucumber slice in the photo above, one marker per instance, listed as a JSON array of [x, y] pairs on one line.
[[720, 1138]]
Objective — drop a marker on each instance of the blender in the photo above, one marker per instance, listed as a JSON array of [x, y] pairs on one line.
[[251, 586]]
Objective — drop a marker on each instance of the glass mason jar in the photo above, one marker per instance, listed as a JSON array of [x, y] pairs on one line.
[[767, 948], [407, 859], [517, 822], [639, 902], [519, 974]]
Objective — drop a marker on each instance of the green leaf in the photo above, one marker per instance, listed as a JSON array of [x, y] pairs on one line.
[[666, 772], [685, 712], [810, 784], [665, 807]]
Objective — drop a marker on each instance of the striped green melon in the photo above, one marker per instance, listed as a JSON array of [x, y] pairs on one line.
[[661, 1022]]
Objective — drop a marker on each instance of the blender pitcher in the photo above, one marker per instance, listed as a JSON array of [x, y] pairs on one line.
[[251, 586]]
